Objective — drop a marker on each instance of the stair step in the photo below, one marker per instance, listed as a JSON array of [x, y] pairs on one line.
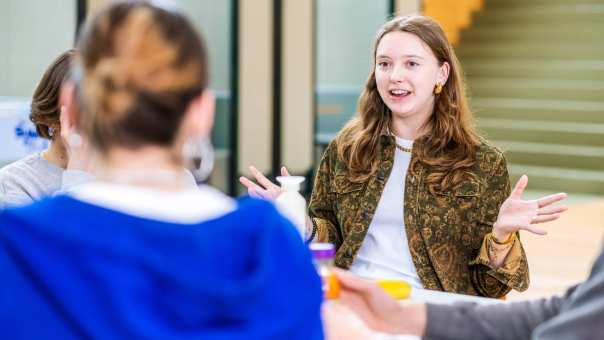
[[585, 90], [533, 68], [531, 10], [491, 4], [593, 13], [534, 131], [582, 26], [573, 198], [538, 49], [525, 34], [534, 109], [559, 179], [554, 155]]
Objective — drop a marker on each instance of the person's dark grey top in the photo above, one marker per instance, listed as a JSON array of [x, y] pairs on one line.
[[27, 180], [579, 314]]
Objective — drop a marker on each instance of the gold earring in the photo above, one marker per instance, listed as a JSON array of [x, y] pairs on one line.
[[438, 89]]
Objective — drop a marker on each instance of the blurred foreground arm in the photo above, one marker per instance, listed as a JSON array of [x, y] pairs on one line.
[[582, 312], [377, 309], [459, 321]]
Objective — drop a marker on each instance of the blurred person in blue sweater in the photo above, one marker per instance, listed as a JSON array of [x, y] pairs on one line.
[[138, 253]]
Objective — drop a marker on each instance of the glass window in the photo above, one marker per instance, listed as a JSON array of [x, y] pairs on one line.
[[344, 37], [214, 20]]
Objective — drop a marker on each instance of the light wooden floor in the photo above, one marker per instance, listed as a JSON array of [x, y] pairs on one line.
[[564, 256]]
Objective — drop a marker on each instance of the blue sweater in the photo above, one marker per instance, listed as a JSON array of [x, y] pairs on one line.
[[69, 269]]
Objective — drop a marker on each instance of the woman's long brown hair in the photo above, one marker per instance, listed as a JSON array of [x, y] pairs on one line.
[[449, 145]]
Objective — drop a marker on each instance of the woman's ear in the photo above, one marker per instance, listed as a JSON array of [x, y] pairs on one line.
[[199, 118], [443, 73], [68, 115]]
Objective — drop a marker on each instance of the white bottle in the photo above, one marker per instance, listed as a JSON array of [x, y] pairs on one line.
[[291, 204]]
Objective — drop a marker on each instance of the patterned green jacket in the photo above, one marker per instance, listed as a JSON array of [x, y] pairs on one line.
[[446, 232]]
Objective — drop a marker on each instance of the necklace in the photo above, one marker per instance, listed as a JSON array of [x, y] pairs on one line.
[[403, 149], [400, 147]]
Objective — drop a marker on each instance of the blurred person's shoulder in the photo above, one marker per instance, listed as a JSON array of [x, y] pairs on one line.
[[11, 172], [33, 213], [260, 213], [27, 180], [256, 208], [33, 162]]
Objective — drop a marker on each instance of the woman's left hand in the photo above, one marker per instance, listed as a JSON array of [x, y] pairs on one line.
[[519, 214]]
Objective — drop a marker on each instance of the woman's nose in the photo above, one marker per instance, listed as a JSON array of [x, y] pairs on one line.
[[397, 74]]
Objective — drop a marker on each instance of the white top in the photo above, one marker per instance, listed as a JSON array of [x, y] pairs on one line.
[[191, 205], [28, 180], [385, 253]]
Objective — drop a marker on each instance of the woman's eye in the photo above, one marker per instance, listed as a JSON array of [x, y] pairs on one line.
[[383, 64], [412, 64]]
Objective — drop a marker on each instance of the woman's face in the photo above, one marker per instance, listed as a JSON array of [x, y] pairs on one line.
[[406, 72]]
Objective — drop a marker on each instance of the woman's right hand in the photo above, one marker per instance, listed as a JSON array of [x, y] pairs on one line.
[[265, 189]]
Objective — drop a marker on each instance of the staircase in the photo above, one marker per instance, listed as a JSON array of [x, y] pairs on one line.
[[535, 71]]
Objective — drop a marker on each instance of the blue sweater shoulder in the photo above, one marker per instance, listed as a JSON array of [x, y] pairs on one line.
[[85, 271]]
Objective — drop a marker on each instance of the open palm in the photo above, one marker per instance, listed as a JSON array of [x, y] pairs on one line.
[[517, 213], [265, 188]]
